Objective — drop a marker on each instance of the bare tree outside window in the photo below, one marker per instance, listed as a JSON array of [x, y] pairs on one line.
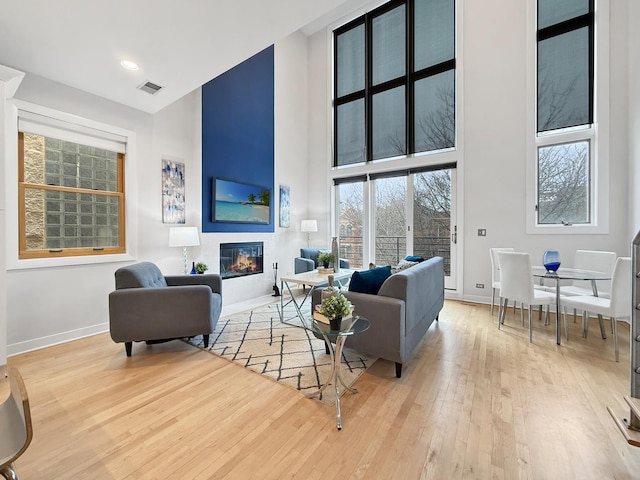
[[351, 221], [432, 216], [565, 66], [391, 223], [435, 127], [563, 183]]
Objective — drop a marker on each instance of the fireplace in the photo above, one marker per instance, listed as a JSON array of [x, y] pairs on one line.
[[240, 259]]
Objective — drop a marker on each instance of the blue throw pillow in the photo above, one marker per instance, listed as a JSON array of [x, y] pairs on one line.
[[413, 258], [369, 281]]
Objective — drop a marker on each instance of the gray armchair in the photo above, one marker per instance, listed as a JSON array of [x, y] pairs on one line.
[[308, 260], [148, 306]]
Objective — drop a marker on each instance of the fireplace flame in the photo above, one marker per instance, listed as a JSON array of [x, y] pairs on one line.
[[243, 264]]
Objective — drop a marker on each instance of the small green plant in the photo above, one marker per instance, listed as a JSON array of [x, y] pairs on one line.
[[325, 258], [335, 306], [201, 267]]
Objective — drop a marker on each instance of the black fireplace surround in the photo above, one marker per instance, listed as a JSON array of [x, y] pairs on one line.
[[240, 259]]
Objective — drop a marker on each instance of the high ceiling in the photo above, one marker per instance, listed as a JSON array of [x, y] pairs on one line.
[[179, 45]]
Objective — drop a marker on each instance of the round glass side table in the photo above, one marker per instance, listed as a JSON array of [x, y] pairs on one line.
[[335, 341]]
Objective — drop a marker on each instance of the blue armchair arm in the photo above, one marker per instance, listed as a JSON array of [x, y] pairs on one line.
[[302, 265]]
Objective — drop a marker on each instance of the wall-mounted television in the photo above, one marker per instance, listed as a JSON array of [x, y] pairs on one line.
[[239, 202]]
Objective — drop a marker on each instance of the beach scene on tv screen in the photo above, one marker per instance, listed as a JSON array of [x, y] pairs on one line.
[[241, 202]]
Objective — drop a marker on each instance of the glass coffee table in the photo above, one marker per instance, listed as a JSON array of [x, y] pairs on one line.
[[314, 279], [335, 341]]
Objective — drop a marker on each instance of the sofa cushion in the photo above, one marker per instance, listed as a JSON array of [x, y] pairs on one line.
[[413, 258], [402, 265], [369, 281]]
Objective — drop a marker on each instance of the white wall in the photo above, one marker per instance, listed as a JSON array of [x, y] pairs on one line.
[[633, 60], [292, 149], [56, 304], [9, 81], [3, 275], [494, 71]]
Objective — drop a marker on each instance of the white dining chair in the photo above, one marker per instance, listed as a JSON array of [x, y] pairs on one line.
[[616, 307], [495, 275], [596, 261], [516, 284]]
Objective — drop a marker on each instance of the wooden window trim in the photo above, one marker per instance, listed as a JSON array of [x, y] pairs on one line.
[[23, 253]]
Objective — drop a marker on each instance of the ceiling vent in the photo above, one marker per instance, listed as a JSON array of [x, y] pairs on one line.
[[150, 87]]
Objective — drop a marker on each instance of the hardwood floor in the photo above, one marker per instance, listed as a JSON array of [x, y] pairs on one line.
[[474, 402]]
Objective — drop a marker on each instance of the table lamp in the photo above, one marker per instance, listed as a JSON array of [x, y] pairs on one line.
[[184, 237], [309, 226]]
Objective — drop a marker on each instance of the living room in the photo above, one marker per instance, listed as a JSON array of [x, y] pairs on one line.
[[46, 303]]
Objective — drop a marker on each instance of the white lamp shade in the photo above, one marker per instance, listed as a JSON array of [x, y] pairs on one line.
[[309, 226], [183, 237]]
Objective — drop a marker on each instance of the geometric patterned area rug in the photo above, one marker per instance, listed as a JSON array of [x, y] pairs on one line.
[[292, 355]]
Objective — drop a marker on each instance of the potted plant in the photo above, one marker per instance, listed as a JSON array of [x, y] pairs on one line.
[[201, 267], [324, 259], [334, 308]]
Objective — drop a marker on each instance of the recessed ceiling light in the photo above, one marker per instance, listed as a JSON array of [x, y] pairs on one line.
[[129, 65]]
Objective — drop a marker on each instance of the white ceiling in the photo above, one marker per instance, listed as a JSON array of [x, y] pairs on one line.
[[179, 45]]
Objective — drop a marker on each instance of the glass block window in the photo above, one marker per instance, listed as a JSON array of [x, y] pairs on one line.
[[394, 82], [71, 198]]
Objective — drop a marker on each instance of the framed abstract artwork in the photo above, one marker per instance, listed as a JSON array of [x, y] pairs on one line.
[[285, 206], [173, 208]]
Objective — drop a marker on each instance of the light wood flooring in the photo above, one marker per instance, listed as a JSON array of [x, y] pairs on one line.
[[473, 402]]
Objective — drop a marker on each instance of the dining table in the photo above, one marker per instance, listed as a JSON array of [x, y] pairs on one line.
[[565, 273]]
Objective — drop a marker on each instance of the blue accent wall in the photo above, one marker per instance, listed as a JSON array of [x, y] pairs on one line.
[[237, 135]]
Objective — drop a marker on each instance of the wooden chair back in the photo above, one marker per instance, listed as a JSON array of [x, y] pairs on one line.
[[15, 423]]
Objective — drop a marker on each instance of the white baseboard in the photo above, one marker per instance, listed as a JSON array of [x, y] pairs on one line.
[[477, 299], [48, 341]]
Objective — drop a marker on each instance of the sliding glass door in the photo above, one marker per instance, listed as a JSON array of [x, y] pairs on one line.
[[434, 230], [390, 220], [384, 217], [350, 215]]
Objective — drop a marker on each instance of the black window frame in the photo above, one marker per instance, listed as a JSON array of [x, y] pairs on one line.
[[556, 30], [408, 80]]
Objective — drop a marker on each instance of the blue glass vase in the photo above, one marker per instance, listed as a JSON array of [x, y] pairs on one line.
[[551, 260]]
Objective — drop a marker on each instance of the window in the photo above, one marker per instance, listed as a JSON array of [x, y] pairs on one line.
[[565, 137], [390, 220], [382, 217], [563, 189], [70, 190], [350, 197], [394, 82]]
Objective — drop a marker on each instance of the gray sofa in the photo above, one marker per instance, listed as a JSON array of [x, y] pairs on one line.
[[148, 306], [400, 314]]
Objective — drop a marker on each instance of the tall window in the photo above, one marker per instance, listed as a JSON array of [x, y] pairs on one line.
[[385, 216], [71, 194], [395, 82], [351, 219], [390, 220], [565, 111]]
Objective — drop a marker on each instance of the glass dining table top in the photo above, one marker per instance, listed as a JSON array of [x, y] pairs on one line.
[[569, 274]]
